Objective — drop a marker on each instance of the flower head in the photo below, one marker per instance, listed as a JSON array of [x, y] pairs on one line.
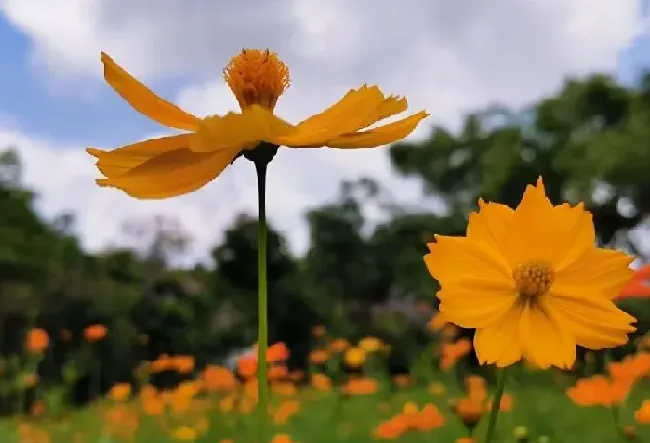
[[531, 282], [178, 164]]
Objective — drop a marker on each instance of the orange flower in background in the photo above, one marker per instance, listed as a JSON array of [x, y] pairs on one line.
[[470, 410], [120, 392], [410, 419], [360, 386], [371, 344], [642, 415], [632, 368], [531, 282], [163, 363], [599, 391], [355, 357], [37, 341], [321, 382], [95, 333], [436, 322], [319, 356], [178, 164], [218, 379], [338, 345], [453, 352], [282, 438], [183, 364], [401, 380]]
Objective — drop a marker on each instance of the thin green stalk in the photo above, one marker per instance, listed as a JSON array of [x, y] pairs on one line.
[[262, 305], [615, 415], [496, 404]]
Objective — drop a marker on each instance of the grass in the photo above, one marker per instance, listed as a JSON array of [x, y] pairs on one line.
[[540, 405]]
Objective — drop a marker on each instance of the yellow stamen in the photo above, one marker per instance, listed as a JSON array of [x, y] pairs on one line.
[[257, 77], [533, 279]]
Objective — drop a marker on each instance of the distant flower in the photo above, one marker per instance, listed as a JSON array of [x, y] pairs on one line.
[[37, 341], [95, 333], [178, 164], [355, 357], [531, 282]]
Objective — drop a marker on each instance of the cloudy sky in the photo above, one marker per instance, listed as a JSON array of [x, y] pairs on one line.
[[447, 57]]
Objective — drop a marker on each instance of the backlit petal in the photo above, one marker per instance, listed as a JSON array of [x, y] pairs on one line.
[[545, 341], [118, 161], [145, 101], [598, 271], [383, 135], [499, 343], [358, 109], [171, 173], [557, 235], [595, 321], [240, 131]]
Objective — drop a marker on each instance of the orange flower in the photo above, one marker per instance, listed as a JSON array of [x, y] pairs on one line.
[[37, 340], [218, 379], [321, 382], [470, 411], [247, 366], [642, 415], [120, 392], [338, 345], [184, 364], [401, 380], [355, 357], [436, 322], [278, 372], [163, 363], [95, 333], [505, 405], [285, 411], [599, 391], [360, 386], [410, 419], [318, 356], [452, 352]]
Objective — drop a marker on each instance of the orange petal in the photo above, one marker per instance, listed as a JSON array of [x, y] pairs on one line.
[[171, 173], [118, 161], [499, 343], [145, 101], [380, 136], [545, 341]]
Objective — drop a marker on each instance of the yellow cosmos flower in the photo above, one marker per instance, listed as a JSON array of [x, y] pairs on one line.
[[531, 282], [170, 166]]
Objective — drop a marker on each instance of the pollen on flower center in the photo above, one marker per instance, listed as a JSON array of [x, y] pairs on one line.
[[257, 77], [533, 278]]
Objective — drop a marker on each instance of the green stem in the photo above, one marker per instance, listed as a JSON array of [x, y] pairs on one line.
[[496, 405], [615, 415], [262, 305]]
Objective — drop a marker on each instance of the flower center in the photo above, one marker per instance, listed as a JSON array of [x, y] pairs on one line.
[[257, 77], [533, 279]]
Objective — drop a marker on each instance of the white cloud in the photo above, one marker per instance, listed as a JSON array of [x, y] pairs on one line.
[[447, 57]]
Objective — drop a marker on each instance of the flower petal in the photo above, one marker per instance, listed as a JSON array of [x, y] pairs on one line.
[[494, 225], [545, 341], [557, 234], [383, 135], [471, 308], [118, 161], [595, 321], [358, 109], [145, 101], [240, 131], [598, 271], [499, 342], [172, 173], [459, 260]]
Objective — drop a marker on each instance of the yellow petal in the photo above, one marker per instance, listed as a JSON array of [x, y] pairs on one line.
[[545, 341], [118, 161], [171, 173], [459, 260], [598, 271], [240, 131], [383, 135], [499, 343], [595, 321], [471, 308], [557, 235], [494, 225], [144, 100], [358, 109]]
